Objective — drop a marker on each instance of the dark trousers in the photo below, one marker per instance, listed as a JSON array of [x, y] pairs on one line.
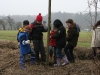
[[51, 50], [39, 47], [59, 53], [69, 52]]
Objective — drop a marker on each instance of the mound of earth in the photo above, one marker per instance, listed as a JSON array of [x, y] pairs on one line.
[[9, 64]]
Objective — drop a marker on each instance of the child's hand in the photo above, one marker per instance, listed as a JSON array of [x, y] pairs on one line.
[[27, 42]]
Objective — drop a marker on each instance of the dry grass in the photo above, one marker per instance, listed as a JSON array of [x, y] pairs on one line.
[[9, 63]]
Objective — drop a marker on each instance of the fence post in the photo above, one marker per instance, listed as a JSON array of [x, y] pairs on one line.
[[48, 34]]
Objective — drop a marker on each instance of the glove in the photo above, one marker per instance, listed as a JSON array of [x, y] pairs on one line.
[[27, 42]]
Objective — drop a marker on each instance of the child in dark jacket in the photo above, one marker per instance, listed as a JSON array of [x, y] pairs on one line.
[[37, 37], [72, 40], [53, 44], [60, 36], [25, 47]]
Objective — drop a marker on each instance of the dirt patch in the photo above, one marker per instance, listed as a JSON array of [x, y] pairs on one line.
[[8, 44], [9, 63]]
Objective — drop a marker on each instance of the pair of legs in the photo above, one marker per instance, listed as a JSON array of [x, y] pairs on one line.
[[39, 47], [69, 52], [23, 58], [53, 52], [60, 56]]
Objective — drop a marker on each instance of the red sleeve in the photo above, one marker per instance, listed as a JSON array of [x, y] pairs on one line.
[[31, 25]]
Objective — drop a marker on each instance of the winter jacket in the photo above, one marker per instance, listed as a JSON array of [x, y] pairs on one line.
[[72, 37], [96, 37], [37, 30], [24, 48], [52, 41], [60, 35]]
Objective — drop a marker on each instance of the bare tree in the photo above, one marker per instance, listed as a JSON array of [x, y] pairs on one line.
[[92, 4], [10, 21], [3, 23], [18, 25]]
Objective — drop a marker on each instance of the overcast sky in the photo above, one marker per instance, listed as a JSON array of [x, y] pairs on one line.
[[33, 7]]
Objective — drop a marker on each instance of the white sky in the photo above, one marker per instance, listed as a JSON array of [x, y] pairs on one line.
[[33, 7]]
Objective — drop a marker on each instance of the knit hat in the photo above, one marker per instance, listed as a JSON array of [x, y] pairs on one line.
[[27, 28], [39, 18]]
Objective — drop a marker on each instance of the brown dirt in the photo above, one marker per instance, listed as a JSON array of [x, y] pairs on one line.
[[9, 63]]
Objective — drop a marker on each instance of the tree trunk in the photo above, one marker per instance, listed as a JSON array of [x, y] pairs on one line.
[[48, 34]]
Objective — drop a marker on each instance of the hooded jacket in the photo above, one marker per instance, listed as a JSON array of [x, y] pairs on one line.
[[72, 37], [24, 48], [61, 33]]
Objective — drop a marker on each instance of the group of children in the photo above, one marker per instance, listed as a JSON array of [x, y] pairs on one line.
[[58, 41], [31, 32]]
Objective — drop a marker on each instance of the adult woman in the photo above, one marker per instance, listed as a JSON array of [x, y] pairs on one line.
[[95, 44]]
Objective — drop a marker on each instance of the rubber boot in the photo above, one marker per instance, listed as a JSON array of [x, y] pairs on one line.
[[22, 66], [58, 62], [33, 60], [65, 60]]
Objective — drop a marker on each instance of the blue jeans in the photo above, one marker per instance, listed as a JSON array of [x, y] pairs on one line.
[[23, 56], [51, 50], [59, 53]]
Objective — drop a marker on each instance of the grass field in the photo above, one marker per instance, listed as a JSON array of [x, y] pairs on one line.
[[84, 38]]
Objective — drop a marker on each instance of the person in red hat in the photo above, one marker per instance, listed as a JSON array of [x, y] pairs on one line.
[[37, 37]]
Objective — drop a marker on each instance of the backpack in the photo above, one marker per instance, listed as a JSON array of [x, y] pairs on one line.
[[78, 28], [20, 30]]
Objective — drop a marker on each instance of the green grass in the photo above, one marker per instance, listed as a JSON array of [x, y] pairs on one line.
[[84, 38]]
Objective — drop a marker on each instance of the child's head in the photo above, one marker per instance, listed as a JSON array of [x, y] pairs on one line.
[[25, 23], [39, 18], [70, 23], [57, 23], [27, 29]]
